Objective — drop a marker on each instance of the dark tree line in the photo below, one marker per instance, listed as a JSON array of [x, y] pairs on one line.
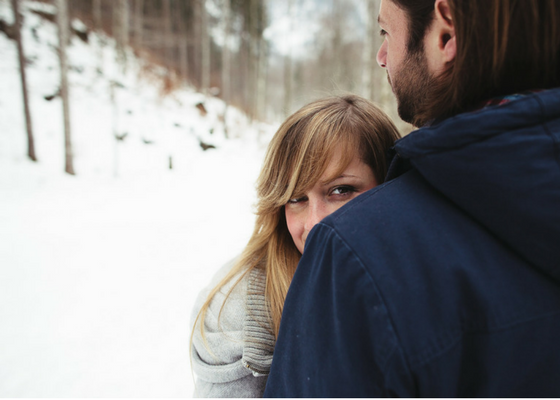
[[218, 47], [182, 35]]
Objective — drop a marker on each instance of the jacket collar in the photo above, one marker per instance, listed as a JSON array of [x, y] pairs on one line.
[[501, 166]]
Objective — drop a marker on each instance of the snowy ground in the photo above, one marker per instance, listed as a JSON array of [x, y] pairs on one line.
[[99, 271]]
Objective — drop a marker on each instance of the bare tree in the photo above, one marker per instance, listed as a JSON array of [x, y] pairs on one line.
[[98, 27], [371, 74], [288, 66], [121, 29], [226, 62], [205, 47], [260, 60], [21, 57], [256, 56], [97, 16], [167, 42], [196, 43], [337, 37], [125, 22], [63, 35], [138, 23], [182, 42]]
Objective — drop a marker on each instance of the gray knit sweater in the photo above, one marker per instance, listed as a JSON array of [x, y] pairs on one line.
[[236, 358]]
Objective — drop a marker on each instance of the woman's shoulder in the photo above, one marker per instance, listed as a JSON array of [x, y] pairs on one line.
[[216, 354], [228, 303], [219, 356], [258, 334]]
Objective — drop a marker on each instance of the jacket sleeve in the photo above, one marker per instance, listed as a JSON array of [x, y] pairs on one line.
[[335, 338], [217, 357]]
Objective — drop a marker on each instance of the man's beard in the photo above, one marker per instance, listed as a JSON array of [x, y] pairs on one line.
[[411, 85]]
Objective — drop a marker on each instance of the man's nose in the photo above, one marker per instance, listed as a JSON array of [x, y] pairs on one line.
[[382, 55]]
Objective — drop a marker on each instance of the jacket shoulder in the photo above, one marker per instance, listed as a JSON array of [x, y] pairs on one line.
[[446, 283]]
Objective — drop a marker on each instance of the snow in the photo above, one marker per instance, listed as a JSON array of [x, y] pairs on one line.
[[99, 271]]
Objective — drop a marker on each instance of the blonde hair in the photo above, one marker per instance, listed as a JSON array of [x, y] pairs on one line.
[[296, 158]]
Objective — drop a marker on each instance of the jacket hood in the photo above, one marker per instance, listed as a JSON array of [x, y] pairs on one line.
[[501, 166]]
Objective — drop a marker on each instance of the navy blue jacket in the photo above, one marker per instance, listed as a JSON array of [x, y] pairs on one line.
[[444, 281]]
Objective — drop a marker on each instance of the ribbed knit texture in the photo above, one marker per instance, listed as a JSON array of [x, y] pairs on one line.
[[258, 336], [235, 358]]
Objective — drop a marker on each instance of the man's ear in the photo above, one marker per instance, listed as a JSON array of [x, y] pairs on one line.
[[447, 43]]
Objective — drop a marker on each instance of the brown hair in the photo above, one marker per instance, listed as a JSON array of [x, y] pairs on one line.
[[503, 47], [420, 14], [296, 158]]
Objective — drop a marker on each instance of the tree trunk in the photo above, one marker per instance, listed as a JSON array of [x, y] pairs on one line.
[[372, 74], [288, 68], [97, 17], [125, 22], [287, 85], [205, 47], [261, 79], [98, 27], [62, 22], [196, 30], [261, 64], [226, 61], [21, 57], [138, 23], [120, 30], [245, 72], [117, 136], [367, 54], [168, 42], [254, 47], [336, 50], [183, 42]]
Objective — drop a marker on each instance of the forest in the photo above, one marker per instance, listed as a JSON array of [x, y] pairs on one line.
[[267, 57]]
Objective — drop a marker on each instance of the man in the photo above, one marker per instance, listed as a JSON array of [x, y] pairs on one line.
[[445, 280]]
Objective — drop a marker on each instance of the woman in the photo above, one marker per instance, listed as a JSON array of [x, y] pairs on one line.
[[322, 156]]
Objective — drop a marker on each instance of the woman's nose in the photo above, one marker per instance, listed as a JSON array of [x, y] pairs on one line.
[[316, 212]]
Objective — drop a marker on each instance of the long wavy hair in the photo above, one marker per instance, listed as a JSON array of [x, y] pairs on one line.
[[296, 158]]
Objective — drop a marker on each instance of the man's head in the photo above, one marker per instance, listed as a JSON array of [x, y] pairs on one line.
[[444, 57], [403, 55]]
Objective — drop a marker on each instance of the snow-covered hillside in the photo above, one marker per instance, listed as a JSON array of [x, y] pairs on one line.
[[99, 271]]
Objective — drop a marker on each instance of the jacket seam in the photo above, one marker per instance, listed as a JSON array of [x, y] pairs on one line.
[[389, 317], [443, 349], [490, 331]]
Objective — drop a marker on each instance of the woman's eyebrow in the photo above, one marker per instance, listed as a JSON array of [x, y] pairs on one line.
[[324, 183]]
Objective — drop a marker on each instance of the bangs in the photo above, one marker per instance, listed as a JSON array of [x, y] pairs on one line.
[[318, 159], [328, 143], [327, 134]]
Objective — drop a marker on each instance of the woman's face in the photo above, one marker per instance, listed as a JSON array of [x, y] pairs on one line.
[[326, 197]]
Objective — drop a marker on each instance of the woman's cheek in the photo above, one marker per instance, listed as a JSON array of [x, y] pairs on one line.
[[295, 227]]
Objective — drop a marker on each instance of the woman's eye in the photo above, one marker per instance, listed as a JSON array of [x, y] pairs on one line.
[[383, 32], [297, 200], [342, 190]]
